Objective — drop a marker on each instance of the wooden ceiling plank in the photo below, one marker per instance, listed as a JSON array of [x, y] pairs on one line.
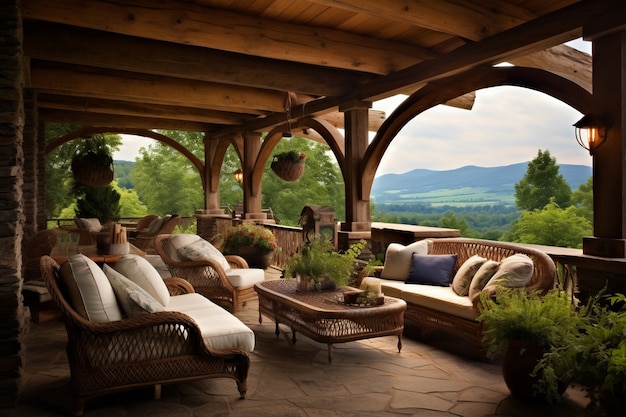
[[154, 89], [66, 44], [117, 122], [191, 24]]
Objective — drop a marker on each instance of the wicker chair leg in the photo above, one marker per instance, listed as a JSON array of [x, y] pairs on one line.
[[157, 391], [79, 407]]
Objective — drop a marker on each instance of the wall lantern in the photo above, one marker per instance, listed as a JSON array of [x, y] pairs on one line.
[[239, 176], [591, 131]]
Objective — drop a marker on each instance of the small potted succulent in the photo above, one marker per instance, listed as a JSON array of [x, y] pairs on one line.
[[255, 243], [289, 165]]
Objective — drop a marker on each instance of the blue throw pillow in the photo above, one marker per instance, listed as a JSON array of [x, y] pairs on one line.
[[431, 269]]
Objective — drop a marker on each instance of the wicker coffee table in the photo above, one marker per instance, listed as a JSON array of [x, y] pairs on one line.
[[320, 315]]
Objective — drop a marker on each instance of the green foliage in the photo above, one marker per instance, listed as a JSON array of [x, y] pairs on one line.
[[542, 320], [552, 226], [593, 355], [123, 170], [318, 259], [130, 206], [542, 183], [99, 202], [291, 156], [583, 200], [250, 234]]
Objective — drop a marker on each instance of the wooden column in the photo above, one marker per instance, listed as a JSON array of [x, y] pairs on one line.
[[356, 132], [609, 160], [252, 204], [211, 186]]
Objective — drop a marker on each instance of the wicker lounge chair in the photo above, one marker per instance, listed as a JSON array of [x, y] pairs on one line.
[[144, 238], [234, 285], [150, 349]]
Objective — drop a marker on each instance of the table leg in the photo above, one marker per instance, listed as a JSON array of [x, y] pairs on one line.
[[330, 353], [260, 318], [399, 343], [293, 336], [277, 330]]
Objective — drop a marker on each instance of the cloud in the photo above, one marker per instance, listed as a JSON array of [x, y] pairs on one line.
[[507, 125], [131, 145]]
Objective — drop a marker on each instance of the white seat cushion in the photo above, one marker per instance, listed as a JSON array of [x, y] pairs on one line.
[[219, 328], [89, 290], [392, 287], [443, 299], [243, 277], [139, 270]]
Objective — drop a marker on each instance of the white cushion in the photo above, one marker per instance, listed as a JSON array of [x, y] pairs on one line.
[[142, 273], [463, 277], [243, 277], [133, 299], [201, 250], [398, 259], [482, 277], [153, 227], [441, 299], [392, 287], [89, 290], [90, 224], [514, 272], [219, 328]]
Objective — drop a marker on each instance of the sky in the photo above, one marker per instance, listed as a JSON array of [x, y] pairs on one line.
[[507, 125]]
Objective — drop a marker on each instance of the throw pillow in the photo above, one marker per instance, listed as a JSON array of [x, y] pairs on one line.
[[202, 250], [514, 272], [481, 277], [153, 227], [90, 292], [131, 297], [92, 225], [463, 277], [431, 269], [142, 273], [398, 259]]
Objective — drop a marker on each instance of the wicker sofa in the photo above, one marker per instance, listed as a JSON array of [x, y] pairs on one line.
[[189, 338], [438, 308]]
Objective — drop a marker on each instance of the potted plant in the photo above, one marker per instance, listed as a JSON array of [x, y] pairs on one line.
[[289, 165], [594, 357], [255, 243], [521, 327], [318, 266]]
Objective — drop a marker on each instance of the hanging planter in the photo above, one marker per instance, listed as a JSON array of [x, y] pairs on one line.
[[289, 166], [94, 169]]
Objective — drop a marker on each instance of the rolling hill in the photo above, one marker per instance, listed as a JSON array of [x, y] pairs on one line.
[[465, 186]]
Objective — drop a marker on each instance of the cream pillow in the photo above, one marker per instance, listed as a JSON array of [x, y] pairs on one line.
[[92, 225], [463, 277], [202, 250], [153, 227], [481, 277], [398, 259], [133, 299], [142, 273], [90, 292], [514, 272]]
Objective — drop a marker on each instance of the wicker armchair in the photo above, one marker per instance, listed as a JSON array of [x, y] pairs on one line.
[[147, 350], [144, 239], [207, 276]]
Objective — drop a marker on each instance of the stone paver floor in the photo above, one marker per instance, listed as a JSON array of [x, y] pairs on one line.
[[366, 378]]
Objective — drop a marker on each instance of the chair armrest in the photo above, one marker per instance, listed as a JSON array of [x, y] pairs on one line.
[[236, 261], [178, 286]]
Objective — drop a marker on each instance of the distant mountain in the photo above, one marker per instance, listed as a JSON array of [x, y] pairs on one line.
[[469, 185]]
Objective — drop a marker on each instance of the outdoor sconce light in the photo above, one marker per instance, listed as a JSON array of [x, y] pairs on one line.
[[239, 176], [591, 131]]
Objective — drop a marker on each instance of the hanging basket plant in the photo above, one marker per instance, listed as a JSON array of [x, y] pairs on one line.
[[289, 166], [93, 168]]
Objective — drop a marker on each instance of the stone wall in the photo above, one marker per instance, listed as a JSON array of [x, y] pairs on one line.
[[12, 317]]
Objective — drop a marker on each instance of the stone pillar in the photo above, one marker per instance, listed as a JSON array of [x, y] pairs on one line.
[[12, 317], [31, 162], [42, 213], [609, 159]]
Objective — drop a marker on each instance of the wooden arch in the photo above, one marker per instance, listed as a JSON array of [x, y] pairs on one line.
[[329, 133], [90, 130], [447, 89]]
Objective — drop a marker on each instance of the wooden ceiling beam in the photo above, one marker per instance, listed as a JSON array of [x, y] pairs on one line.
[[542, 33], [61, 43], [117, 121], [191, 24], [470, 20], [138, 109], [115, 85]]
